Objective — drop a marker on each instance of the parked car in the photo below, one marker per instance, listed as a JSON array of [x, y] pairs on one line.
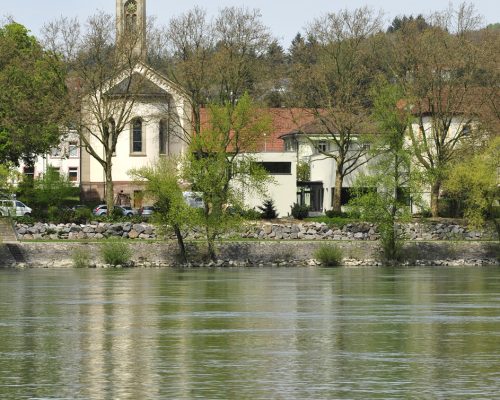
[[147, 211], [102, 209], [78, 207], [129, 208], [97, 211], [14, 208]]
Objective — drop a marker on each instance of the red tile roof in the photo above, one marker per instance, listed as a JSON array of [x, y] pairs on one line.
[[283, 121]]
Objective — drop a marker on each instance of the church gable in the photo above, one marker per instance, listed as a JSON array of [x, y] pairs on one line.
[[137, 85]]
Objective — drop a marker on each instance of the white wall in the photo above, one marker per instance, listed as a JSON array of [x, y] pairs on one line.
[[125, 160], [284, 188]]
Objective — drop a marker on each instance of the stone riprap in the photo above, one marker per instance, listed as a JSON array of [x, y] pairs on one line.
[[424, 231]]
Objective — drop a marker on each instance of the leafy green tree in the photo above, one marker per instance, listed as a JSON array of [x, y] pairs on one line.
[[475, 179], [8, 177], [399, 22], [303, 171], [162, 184], [218, 168], [391, 183], [32, 93], [52, 190]]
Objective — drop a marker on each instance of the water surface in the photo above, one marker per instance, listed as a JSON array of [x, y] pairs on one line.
[[250, 334]]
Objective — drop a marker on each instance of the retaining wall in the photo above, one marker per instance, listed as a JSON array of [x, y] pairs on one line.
[[259, 253], [284, 230]]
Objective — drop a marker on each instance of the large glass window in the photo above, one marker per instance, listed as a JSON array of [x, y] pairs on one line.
[[137, 145], [277, 168]]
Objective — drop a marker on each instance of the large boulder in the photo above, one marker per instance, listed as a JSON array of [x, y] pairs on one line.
[[139, 228]]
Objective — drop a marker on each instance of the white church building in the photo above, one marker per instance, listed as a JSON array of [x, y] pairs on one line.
[[158, 120]]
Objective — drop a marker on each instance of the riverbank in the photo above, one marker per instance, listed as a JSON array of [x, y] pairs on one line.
[[251, 253]]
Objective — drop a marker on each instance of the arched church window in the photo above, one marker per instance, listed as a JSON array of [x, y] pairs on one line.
[[164, 137], [137, 143]]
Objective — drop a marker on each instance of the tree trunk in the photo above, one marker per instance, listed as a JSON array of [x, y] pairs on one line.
[[337, 194], [211, 246], [435, 189], [180, 242], [109, 191]]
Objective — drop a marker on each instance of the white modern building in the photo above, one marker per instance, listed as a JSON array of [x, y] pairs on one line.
[[282, 188]]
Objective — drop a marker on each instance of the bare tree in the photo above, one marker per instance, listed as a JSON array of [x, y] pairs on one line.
[[335, 87], [215, 61], [190, 44], [438, 69], [241, 42], [104, 83]]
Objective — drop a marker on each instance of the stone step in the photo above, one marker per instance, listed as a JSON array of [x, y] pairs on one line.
[[6, 258], [15, 252], [7, 233]]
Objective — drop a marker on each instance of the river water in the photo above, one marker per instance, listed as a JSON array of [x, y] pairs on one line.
[[366, 333]]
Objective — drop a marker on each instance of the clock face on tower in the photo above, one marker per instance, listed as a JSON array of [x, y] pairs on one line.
[[131, 7]]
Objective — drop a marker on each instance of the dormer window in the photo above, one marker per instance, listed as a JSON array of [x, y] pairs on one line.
[[322, 146], [290, 144]]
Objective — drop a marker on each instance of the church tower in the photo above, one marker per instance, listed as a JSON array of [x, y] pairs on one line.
[[131, 20]]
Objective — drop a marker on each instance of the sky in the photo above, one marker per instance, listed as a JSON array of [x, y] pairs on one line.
[[284, 17]]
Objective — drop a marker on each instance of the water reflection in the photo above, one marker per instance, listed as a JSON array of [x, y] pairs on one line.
[[250, 334]]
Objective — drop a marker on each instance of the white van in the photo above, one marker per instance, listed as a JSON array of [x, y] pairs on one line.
[[14, 208]]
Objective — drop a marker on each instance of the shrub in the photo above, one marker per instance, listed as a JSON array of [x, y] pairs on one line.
[[82, 215], [250, 214], [52, 189], [268, 210], [81, 258], [335, 214], [25, 220], [116, 253], [53, 214], [299, 211], [426, 213], [329, 255], [117, 213]]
